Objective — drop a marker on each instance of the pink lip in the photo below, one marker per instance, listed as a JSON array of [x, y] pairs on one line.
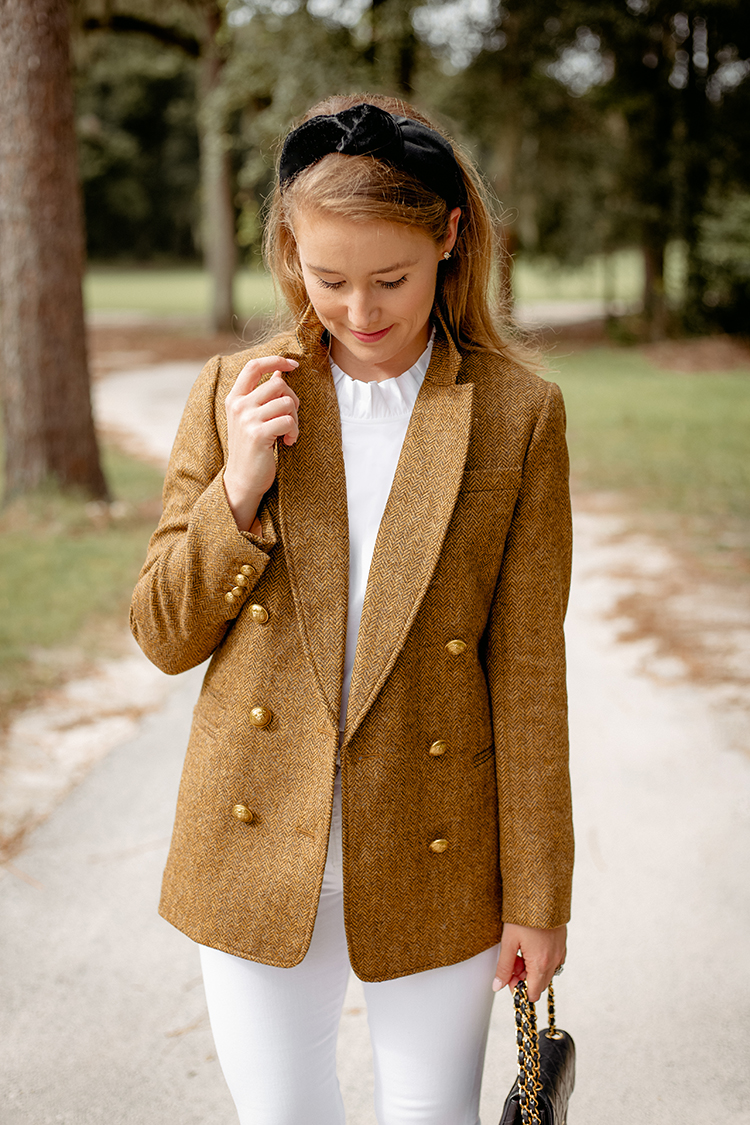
[[371, 337]]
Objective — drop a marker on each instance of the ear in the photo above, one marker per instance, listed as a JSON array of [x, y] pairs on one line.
[[452, 235]]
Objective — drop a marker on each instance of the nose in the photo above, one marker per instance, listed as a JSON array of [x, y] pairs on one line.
[[363, 310]]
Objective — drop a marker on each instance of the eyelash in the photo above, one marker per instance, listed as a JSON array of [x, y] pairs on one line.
[[384, 284]]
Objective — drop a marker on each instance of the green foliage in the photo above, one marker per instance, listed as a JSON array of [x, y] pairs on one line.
[[136, 113], [601, 125], [722, 260]]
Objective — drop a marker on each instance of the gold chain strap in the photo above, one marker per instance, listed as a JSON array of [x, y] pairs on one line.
[[552, 1032], [527, 1040]]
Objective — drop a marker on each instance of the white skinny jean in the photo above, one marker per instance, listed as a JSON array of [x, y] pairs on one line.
[[275, 1029]]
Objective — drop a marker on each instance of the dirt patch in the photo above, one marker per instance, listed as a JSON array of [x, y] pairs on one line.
[[46, 750], [703, 354], [118, 347], [686, 615]]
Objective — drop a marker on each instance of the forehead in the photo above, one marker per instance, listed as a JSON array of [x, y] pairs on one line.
[[334, 242]]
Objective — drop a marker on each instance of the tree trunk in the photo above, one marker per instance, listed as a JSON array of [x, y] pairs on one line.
[[654, 302], [219, 241], [44, 383], [507, 246]]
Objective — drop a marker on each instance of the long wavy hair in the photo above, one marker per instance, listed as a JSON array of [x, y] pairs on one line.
[[365, 189]]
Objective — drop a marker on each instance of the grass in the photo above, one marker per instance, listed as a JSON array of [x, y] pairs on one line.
[[676, 444], [67, 569], [186, 291], [171, 292]]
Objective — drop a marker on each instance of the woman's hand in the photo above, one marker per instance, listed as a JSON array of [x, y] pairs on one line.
[[529, 954], [256, 417]]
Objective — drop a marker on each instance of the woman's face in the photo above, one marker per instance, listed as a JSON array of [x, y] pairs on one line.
[[373, 287]]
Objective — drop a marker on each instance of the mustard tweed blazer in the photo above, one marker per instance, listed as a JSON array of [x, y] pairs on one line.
[[456, 801]]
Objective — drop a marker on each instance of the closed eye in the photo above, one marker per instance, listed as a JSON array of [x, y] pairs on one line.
[[383, 284]]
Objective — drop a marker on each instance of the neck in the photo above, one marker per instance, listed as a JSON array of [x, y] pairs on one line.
[[376, 372]]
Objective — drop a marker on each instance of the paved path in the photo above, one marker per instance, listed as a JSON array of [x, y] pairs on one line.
[[102, 1018]]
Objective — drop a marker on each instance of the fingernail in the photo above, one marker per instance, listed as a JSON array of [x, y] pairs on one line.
[[294, 361], [497, 984]]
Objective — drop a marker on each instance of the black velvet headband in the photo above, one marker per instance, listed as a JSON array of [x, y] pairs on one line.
[[367, 130]]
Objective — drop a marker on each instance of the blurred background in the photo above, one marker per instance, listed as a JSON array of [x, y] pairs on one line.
[[614, 135], [137, 149]]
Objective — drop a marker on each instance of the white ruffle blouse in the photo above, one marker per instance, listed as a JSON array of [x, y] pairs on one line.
[[374, 421]]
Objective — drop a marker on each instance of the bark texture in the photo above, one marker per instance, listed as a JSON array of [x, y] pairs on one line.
[[44, 382], [219, 241]]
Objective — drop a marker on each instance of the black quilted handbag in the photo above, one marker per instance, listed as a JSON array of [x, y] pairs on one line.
[[546, 1067]]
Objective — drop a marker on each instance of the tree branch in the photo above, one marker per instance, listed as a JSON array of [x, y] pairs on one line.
[[162, 34]]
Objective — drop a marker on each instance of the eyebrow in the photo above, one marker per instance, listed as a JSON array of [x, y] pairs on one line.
[[386, 269]]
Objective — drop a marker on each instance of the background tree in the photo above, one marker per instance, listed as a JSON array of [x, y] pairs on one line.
[[47, 421], [138, 142], [612, 123], [197, 28]]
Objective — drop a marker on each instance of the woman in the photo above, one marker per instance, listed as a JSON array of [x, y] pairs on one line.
[[366, 527]]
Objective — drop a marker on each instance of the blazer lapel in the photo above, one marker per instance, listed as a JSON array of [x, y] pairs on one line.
[[313, 517], [414, 524]]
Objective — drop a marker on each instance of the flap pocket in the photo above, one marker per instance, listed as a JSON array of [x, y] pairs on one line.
[[489, 480]]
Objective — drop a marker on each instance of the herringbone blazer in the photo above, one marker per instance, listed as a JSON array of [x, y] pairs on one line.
[[456, 803]]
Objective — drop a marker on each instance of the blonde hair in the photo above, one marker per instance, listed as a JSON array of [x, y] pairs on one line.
[[365, 189]]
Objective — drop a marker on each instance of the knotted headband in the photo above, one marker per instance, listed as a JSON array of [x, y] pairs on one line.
[[367, 130]]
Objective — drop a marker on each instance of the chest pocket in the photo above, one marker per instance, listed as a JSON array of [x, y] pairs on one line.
[[491, 480]]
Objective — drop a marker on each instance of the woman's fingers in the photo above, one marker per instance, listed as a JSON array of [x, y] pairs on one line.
[[254, 370], [277, 408], [273, 388], [530, 954], [506, 963]]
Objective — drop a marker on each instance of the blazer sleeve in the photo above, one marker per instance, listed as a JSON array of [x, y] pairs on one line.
[[526, 674], [199, 567]]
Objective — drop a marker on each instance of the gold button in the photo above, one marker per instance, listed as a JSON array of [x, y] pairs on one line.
[[456, 648], [261, 716], [243, 813], [229, 597], [241, 580], [438, 845], [247, 571], [236, 591], [438, 748], [259, 613]]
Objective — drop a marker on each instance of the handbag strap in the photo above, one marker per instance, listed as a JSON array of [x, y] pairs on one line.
[[527, 1039], [552, 1031]]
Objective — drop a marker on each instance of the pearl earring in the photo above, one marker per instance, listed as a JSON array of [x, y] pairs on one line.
[[446, 255]]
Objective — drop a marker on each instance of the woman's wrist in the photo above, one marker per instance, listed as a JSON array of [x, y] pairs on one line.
[[243, 505]]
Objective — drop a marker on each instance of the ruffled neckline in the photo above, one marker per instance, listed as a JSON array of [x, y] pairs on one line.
[[384, 401]]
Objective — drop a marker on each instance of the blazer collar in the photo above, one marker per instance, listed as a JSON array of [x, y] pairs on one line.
[[314, 523]]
